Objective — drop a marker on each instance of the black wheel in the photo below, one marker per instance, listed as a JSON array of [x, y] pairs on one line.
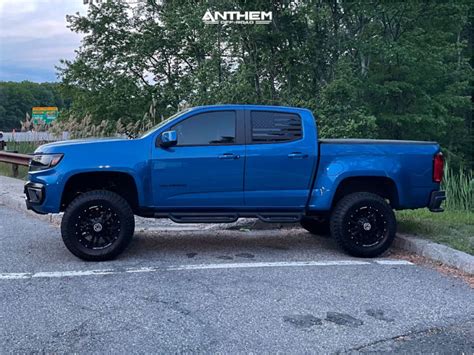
[[315, 226], [363, 224], [97, 225]]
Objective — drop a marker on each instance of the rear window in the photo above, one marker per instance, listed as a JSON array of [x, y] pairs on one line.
[[275, 127]]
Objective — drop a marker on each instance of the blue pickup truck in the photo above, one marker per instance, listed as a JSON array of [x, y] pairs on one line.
[[215, 164]]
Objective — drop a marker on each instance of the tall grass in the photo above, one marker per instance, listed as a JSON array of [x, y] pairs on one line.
[[23, 147], [459, 187]]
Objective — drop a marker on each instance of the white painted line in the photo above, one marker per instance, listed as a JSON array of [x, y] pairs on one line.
[[14, 276], [392, 262], [60, 274], [269, 264], [52, 274]]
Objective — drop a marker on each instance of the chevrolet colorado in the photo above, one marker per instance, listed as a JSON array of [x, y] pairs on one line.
[[215, 164]]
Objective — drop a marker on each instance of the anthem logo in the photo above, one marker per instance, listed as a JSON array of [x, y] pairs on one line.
[[237, 17]]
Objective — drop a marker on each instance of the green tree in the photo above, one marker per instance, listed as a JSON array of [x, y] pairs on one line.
[[17, 99], [367, 69]]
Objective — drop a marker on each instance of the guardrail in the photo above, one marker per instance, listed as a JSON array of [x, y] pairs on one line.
[[31, 136], [16, 159]]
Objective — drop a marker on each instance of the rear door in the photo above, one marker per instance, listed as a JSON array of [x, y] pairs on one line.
[[206, 167], [279, 160]]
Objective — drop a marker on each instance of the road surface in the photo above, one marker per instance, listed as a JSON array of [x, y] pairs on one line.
[[221, 291]]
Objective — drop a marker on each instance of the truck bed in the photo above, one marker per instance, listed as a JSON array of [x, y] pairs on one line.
[[409, 164]]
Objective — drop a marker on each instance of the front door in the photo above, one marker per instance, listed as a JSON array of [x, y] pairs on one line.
[[206, 167]]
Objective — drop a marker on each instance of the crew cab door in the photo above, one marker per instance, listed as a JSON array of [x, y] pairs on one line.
[[281, 157], [206, 167]]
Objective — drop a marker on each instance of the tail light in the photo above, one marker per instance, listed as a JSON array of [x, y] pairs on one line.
[[438, 167]]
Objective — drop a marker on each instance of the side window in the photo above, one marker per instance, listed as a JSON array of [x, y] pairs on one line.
[[275, 127], [208, 128]]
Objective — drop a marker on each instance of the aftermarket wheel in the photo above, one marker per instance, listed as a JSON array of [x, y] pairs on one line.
[[315, 226], [97, 225], [363, 224]]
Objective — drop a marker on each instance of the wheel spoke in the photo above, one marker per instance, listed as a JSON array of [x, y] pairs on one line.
[[366, 226], [97, 226]]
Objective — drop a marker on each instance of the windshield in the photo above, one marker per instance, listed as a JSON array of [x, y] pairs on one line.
[[162, 123]]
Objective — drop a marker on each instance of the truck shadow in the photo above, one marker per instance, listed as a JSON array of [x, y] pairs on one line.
[[230, 245]]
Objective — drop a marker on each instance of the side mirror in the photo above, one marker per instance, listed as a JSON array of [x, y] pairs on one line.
[[167, 139]]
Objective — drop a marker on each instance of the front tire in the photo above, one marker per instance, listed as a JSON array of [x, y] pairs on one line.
[[363, 224], [97, 225]]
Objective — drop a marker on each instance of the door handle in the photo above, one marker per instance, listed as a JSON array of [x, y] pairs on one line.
[[297, 155], [229, 156]]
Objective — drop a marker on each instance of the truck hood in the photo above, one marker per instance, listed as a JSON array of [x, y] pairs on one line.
[[62, 146]]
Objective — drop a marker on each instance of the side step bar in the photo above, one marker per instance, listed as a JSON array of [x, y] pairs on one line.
[[279, 217], [203, 217], [226, 217]]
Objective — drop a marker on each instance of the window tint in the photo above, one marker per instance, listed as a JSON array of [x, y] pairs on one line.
[[208, 128], [270, 127]]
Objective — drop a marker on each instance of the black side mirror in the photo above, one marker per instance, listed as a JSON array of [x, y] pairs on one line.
[[167, 139]]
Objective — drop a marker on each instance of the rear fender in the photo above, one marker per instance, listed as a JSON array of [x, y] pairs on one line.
[[332, 172]]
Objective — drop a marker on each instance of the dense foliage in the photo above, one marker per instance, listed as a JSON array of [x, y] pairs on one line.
[[17, 99], [367, 69]]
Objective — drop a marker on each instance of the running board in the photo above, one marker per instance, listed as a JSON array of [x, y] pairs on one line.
[[203, 217], [279, 217], [229, 217]]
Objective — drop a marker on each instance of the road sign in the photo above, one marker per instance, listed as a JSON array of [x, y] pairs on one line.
[[44, 114]]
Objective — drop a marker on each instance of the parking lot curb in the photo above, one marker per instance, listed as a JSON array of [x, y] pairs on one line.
[[436, 252]]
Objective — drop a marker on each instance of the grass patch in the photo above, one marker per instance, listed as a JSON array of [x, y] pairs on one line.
[[20, 147], [452, 228], [6, 170]]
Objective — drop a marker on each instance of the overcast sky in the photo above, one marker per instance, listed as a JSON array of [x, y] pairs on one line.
[[34, 36]]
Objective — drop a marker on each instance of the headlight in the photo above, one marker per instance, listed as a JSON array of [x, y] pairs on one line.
[[44, 161]]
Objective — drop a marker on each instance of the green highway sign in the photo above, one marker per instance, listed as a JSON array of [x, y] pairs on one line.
[[44, 114]]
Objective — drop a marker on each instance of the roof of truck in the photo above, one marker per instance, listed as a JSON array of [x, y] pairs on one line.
[[244, 106]]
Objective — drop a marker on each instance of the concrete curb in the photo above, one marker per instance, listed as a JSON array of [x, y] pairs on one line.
[[435, 251]]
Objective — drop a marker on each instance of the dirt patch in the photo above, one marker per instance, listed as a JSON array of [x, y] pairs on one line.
[[444, 269]]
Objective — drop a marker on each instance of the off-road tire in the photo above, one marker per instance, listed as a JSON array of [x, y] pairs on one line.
[[316, 227], [79, 225], [363, 224]]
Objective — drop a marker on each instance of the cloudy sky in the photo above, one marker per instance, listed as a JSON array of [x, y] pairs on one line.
[[34, 36]]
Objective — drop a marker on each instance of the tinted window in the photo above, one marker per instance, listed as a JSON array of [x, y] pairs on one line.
[[270, 127], [209, 128]]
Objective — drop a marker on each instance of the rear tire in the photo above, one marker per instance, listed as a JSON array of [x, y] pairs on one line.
[[363, 224], [97, 225], [315, 226]]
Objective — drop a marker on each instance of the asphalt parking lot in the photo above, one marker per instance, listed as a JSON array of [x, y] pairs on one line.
[[221, 291]]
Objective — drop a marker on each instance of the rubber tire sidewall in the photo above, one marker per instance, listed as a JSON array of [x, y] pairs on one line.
[[344, 206], [120, 206]]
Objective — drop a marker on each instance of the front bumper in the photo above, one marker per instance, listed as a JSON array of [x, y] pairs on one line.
[[35, 195], [436, 198]]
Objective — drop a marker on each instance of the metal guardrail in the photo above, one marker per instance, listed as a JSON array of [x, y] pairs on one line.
[[16, 159], [31, 136]]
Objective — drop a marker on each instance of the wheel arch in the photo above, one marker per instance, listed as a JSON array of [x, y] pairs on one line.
[[122, 183], [380, 185]]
